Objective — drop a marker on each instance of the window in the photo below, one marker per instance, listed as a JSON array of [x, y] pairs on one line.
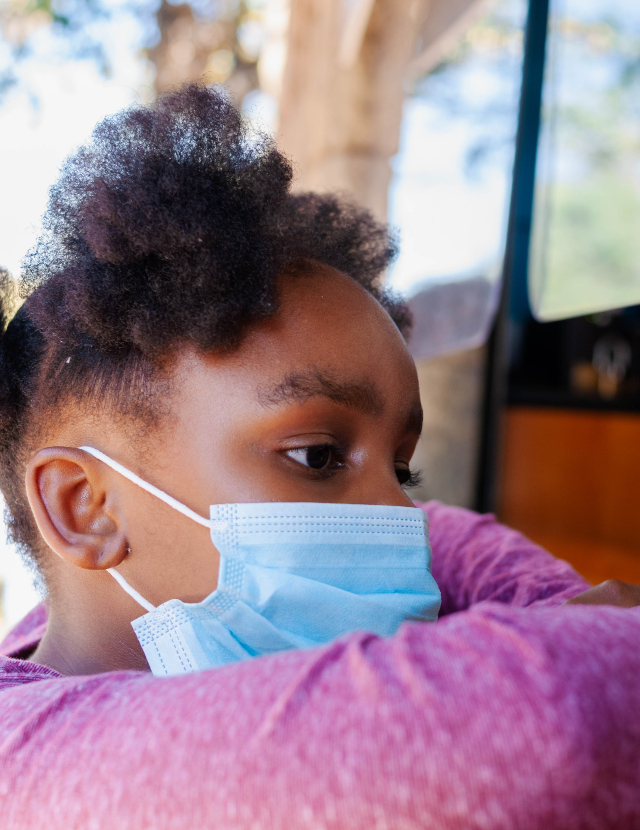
[[452, 183], [585, 245]]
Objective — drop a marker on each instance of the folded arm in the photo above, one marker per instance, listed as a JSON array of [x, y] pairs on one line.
[[495, 717], [475, 558]]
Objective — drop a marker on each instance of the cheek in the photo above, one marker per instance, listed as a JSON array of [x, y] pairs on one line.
[[215, 458]]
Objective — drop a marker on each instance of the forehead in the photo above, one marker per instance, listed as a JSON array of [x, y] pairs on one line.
[[326, 325], [325, 314]]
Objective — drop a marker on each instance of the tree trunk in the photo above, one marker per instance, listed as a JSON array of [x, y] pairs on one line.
[[185, 45], [341, 102], [192, 48], [340, 115]]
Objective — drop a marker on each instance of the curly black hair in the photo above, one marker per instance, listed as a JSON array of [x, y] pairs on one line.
[[171, 226]]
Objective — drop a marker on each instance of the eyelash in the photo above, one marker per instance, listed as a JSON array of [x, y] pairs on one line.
[[415, 479], [338, 454]]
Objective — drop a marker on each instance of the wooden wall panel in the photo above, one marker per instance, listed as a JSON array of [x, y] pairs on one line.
[[570, 479]]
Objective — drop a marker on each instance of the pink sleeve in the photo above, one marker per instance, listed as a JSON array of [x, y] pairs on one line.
[[496, 718], [475, 558]]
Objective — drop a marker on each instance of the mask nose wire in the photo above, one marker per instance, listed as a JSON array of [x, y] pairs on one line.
[[155, 491]]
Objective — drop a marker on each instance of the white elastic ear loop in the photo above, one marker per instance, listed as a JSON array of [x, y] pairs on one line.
[[122, 582], [155, 491], [166, 498]]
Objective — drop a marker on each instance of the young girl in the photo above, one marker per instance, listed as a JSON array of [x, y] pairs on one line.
[[208, 412]]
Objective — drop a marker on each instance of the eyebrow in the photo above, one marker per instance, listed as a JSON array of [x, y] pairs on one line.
[[361, 395], [298, 387]]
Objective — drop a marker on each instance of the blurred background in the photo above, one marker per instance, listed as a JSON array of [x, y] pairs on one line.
[[500, 137]]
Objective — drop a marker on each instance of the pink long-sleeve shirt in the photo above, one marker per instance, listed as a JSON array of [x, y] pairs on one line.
[[509, 713]]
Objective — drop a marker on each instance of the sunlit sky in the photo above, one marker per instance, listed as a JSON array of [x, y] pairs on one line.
[[449, 225]]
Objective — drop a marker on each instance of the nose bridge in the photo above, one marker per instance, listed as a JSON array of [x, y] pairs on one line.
[[377, 483], [394, 497]]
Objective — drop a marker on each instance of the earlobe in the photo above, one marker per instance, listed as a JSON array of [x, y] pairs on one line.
[[69, 497]]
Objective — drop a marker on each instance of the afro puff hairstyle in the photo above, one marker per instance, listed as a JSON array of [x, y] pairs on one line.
[[170, 227]]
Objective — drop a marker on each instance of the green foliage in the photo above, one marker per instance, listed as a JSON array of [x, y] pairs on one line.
[[586, 243], [46, 7], [592, 249]]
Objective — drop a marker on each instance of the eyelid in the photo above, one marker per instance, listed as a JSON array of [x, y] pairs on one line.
[[309, 439], [319, 440]]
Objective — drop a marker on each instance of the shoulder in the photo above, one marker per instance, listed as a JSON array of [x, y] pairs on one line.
[[19, 642], [26, 634]]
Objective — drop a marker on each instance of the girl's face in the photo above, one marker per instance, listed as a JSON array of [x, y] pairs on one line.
[[319, 404]]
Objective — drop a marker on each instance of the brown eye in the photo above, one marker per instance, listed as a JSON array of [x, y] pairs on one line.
[[316, 458], [407, 477], [403, 474]]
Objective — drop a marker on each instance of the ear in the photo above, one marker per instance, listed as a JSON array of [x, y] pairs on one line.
[[75, 508]]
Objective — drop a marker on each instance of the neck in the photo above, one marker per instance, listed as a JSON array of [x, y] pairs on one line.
[[90, 632]]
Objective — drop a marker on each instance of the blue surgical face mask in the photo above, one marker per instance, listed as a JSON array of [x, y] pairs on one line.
[[292, 575]]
